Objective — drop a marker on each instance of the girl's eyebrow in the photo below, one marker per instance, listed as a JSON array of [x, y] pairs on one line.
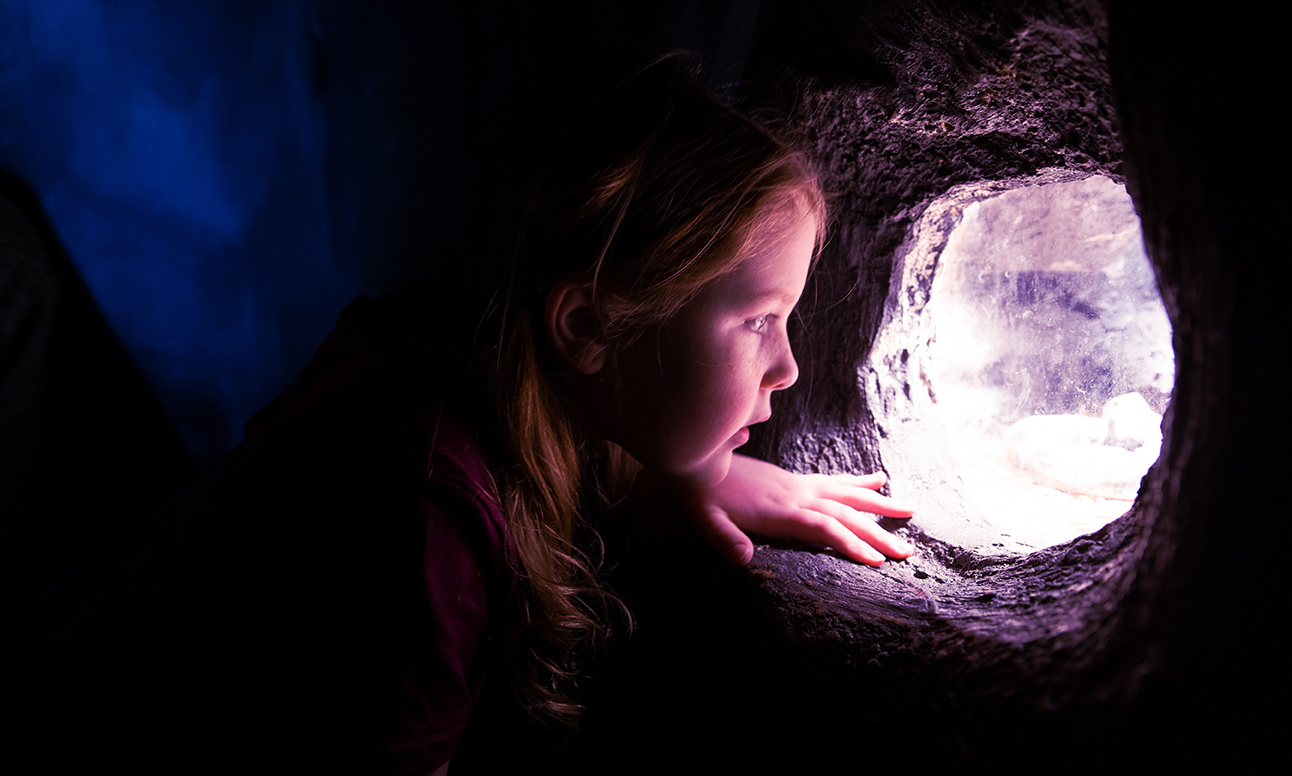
[[749, 297], [774, 296]]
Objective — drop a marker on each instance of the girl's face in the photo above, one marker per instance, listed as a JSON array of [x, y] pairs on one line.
[[690, 390]]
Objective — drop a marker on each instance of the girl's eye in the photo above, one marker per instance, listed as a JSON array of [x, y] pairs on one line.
[[759, 323]]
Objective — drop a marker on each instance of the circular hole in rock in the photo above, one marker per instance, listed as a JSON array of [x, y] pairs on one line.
[[1035, 351]]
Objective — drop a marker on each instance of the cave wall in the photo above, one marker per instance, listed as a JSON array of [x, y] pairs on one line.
[[1154, 640], [1198, 130], [905, 102], [1149, 643]]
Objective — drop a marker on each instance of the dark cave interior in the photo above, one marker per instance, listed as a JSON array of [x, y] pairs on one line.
[[1152, 640]]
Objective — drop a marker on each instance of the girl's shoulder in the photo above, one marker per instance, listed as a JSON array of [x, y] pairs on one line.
[[456, 459]]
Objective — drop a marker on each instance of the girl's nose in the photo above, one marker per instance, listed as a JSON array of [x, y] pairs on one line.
[[783, 370]]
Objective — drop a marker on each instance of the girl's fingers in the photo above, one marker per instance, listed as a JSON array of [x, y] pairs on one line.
[[871, 481], [720, 532], [864, 528], [824, 509], [867, 500], [821, 528], [870, 532]]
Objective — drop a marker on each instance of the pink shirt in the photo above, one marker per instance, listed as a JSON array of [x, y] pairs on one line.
[[393, 548]]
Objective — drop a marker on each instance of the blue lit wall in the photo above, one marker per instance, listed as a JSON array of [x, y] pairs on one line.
[[179, 156], [227, 175]]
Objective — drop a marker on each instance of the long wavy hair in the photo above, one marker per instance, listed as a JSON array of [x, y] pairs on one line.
[[653, 191]]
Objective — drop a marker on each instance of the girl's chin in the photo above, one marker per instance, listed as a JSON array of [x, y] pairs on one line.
[[711, 472], [704, 473]]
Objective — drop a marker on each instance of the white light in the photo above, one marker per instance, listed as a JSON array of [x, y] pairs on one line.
[[1050, 359]]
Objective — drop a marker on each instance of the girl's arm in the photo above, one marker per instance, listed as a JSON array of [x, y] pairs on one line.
[[834, 510]]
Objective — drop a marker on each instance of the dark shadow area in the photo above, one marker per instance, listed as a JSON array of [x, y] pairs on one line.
[[88, 452], [1154, 641]]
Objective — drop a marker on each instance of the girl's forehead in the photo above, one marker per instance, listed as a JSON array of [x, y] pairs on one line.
[[782, 223], [776, 263]]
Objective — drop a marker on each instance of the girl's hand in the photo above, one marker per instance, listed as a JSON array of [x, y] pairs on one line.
[[765, 499]]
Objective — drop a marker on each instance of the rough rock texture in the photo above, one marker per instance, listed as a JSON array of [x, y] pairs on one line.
[[930, 96], [1149, 641]]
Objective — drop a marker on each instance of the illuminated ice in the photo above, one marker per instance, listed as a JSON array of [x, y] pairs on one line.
[[1103, 456], [1051, 360]]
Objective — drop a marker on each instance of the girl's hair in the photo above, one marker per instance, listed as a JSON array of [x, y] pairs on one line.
[[651, 192]]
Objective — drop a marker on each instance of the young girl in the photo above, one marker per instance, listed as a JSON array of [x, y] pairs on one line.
[[413, 518]]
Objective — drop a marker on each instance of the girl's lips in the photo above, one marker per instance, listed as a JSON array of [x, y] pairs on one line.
[[742, 436]]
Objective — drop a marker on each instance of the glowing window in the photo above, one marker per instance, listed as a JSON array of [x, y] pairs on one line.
[[1046, 355]]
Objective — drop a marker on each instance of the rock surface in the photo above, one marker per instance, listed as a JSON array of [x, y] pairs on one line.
[[1124, 646]]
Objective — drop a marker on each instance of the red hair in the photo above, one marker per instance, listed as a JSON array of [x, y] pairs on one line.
[[653, 191]]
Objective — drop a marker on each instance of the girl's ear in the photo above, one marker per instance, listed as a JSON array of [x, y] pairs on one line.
[[572, 326]]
